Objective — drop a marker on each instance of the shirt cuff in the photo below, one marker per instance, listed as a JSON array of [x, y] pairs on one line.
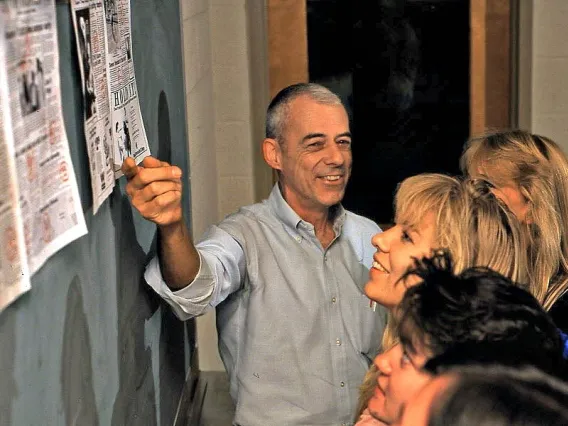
[[192, 300]]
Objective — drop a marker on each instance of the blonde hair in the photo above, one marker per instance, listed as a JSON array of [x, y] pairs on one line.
[[474, 225], [539, 168], [477, 228]]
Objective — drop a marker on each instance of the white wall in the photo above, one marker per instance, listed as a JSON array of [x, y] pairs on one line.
[[545, 62], [203, 177], [231, 88], [224, 135]]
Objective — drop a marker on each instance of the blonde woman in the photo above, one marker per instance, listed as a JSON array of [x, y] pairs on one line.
[[434, 211], [530, 174]]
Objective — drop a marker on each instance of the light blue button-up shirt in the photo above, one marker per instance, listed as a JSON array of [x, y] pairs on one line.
[[296, 331]]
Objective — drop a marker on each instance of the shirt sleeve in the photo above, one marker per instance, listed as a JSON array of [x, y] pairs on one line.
[[221, 271]]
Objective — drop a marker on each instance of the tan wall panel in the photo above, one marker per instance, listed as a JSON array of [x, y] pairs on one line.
[[498, 64], [524, 65], [490, 66], [287, 43], [477, 66]]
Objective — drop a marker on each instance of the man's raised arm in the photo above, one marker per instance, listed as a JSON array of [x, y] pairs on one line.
[[154, 188]]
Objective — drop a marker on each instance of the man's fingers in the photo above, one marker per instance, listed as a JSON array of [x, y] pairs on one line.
[[167, 199], [129, 168], [164, 208], [147, 175], [151, 162], [155, 189]]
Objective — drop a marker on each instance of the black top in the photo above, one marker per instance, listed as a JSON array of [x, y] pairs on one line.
[[559, 313]]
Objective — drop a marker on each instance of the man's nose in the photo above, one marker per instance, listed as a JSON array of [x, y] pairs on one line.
[[334, 155]]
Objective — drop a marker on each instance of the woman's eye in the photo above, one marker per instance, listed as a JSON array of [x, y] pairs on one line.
[[404, 359], [405, 237]]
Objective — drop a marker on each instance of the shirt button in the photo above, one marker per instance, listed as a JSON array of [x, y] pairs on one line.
[[333, 300], [342, 384], [299, 239], [338, 342]]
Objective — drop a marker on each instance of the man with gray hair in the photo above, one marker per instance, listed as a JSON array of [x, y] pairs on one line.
[[296, 331]]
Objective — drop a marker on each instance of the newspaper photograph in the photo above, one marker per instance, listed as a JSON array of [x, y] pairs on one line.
[[14, 274], [49, 199], [106, 59], [88, 23]]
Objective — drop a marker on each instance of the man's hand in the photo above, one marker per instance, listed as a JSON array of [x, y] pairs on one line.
[[154, 188]]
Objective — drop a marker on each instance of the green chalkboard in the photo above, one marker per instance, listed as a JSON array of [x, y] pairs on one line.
[[91, 343]]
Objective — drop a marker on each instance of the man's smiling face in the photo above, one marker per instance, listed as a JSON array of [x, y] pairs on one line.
[[314, 155]]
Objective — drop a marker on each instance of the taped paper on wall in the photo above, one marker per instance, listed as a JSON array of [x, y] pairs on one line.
[[48, 199]]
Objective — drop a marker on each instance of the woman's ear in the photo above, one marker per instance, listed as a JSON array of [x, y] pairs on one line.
[[272, 153]]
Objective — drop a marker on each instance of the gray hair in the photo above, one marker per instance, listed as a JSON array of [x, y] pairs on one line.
[[278, 110]]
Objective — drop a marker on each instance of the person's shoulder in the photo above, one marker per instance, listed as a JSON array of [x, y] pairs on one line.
[[362, 222], [250, 215]]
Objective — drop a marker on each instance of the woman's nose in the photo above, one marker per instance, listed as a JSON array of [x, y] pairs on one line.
[[381, 241], [382, 363]]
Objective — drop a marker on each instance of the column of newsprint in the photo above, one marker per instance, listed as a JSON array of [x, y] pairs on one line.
[[44, 200]]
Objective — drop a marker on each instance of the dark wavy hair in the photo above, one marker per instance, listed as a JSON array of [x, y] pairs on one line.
[[501, 396], [477, 316]]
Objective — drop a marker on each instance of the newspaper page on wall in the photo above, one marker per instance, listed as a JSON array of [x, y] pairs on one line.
[[14, 274], [111, 45], [88, 22], [48, 194]]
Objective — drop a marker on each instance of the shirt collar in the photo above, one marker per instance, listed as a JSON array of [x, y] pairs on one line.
[[291, 219]]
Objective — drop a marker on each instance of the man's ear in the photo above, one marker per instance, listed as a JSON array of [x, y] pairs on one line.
[[272, 153]]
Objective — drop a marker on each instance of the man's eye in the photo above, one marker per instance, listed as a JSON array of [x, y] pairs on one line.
[[345, 142], [317, 144]]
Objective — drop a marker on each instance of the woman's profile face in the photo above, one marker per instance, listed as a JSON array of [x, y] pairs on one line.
[[396, 250], [509, 193], [417, 411], [512, 197], [400, 377]]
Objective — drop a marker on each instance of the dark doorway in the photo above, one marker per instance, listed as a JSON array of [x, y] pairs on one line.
[[402, 69]]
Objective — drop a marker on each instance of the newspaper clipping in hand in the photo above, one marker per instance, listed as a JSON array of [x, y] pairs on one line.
[[104, 45], [49, 200]]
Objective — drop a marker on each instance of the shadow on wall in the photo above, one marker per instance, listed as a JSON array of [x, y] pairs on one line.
[[7, 381], [76, 364], [172, 354]]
